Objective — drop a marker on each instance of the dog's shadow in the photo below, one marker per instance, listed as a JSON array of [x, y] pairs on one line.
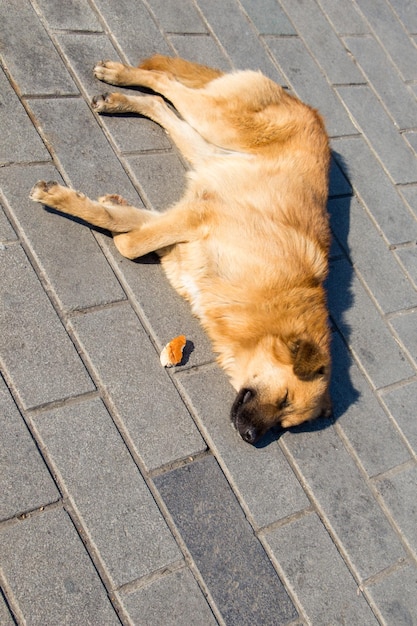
[[340, 300]]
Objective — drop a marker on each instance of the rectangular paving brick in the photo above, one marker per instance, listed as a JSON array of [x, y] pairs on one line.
[[399, 493], [36, 351], [268, 17], [113, 500], [345, 501], [362, 243], [128, 365], [65, 250], [344, 17], [307, 79], [406, 12], [130, 133], [201, 49], [29, 53], [165, 313], [74, 15], [376, 125], [25, 145], [261, 475], [408, 259], [180, 16], [25, 483], [161, 176], [317, 574], [392, 35], [233, 563], [395, 596], [238, 37], [401, 404], [82, 148], [384, 77], [376, 190], [406, 327], [312, 25], [363, 328], [133, 28], [360, 417], [51, 574], [173, 599], [7, 233]]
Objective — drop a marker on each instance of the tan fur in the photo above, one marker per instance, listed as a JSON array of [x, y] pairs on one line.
[[248, 243]]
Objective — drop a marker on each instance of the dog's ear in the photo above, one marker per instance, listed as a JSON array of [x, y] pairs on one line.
[[309, 360]]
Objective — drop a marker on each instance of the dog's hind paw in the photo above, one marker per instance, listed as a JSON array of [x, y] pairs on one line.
[[42, 190], [113, 198], [109, 72]]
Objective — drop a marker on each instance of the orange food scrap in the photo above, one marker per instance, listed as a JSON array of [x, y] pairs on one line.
[[172, 353]]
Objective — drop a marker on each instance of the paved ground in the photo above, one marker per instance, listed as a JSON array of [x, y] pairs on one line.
[[126, 497]]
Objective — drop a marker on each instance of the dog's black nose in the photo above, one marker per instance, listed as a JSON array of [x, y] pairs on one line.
[[250, 435]]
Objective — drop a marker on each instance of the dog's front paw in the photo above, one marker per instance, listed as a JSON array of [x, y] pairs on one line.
[[109, 72], [43, 190], [105, 103]]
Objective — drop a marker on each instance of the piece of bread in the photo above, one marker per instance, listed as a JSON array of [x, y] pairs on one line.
[[172, 353]]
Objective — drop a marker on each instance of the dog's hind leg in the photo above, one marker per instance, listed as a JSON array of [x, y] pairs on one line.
[[189, 141], [190, 74]]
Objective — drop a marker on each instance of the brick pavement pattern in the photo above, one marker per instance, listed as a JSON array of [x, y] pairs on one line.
[[125, 495]]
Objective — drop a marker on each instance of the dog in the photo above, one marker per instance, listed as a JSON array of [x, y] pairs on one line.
[[248, 243]]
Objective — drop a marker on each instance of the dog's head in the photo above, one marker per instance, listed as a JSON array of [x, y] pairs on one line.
[[285, 383]]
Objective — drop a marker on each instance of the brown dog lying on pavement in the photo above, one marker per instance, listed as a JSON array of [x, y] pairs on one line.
[[247, 245]]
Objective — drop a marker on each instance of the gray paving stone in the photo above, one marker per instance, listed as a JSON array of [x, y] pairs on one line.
[[384, 77], [238, 37], [261, 475], [112, 498], [308, 81], [200, 49], [223, 546], [268, 17], [177, 17], [82, 149], [50, 573], [362, 243], [338, 183], [363, 328], [344, 17], [29, 53], [396, 596], [392, 35], [6, 231], [345, 501], [136, 32], [166, 313], [171, 600], [401, 404], [36, 351], [359, 415], [376, 125], [399, 493], [376, 190], [411, 137], [5, 616], [161, 176], [406, 327], [407, 13], [129, 133], [26, 145], [65, 250], [128, 365], [408, 257], [409, 193], [25, 483], [311, 562], [323, 43], [72, 15]]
